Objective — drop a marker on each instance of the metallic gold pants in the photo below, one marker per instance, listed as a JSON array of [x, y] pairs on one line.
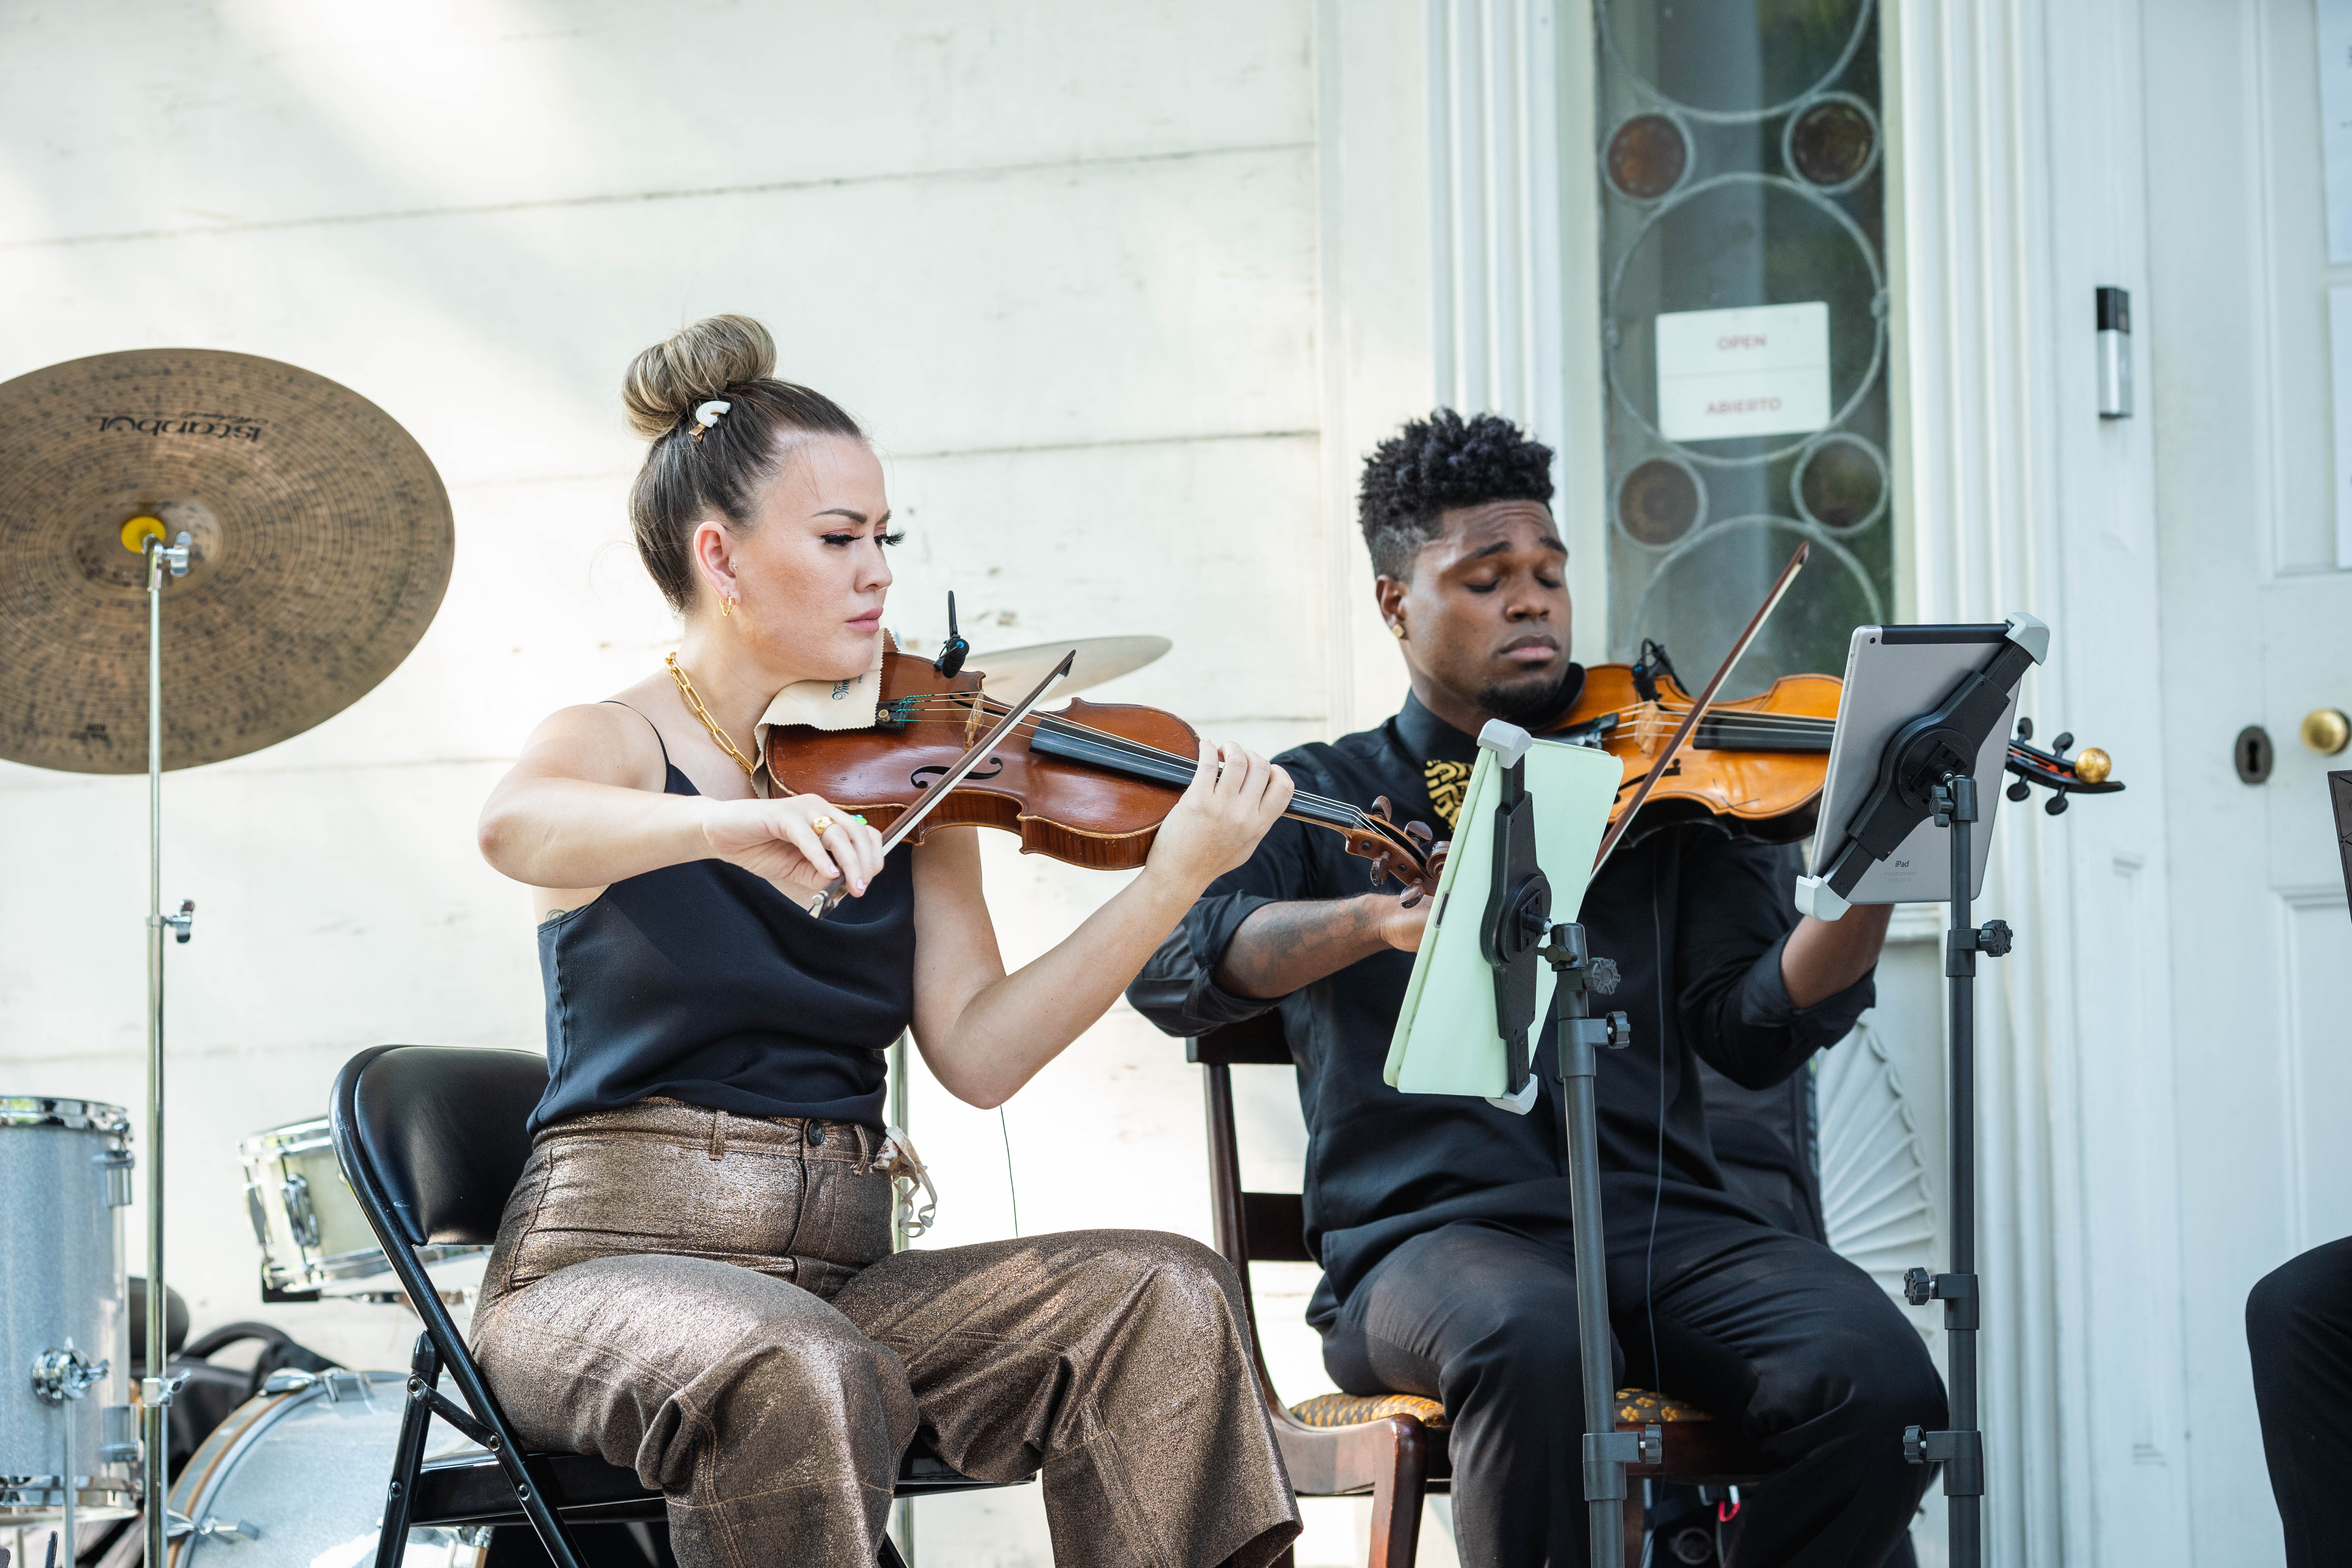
[[711, 1301]]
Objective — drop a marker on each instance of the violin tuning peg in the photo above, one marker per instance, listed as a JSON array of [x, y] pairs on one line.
[[1379, 869], [2056, 805], [1419, 833], [2018, 790], [2065, 739], [2024, 727], [1381, 809], [1411, 895]]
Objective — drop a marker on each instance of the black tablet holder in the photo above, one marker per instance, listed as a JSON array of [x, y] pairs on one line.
[[1515, 933], [1927, 769]]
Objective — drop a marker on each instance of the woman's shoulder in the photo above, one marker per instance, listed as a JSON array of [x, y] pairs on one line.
[[608, 742]]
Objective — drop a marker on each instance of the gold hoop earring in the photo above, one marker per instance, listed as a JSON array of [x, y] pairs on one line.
[[725, 607]]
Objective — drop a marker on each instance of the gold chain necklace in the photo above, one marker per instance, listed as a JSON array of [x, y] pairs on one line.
[[694, 705]]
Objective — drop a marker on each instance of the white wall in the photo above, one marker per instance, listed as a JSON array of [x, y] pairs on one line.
[[1121, 291]]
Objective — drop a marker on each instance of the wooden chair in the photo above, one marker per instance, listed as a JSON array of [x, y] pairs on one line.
[[1393, 1445], [432, 1139]]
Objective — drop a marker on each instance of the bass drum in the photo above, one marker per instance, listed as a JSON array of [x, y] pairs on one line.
[[294, 1479]]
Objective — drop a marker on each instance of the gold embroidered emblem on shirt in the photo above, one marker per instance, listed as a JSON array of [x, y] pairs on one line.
[[1447, 782]]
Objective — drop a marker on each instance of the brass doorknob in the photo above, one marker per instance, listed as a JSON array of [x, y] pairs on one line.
[[2326, 731]]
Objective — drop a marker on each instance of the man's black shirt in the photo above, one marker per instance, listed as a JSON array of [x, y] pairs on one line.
[[1694, 921]]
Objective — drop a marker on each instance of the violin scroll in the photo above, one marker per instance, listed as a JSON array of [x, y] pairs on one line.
[[2086, 773]]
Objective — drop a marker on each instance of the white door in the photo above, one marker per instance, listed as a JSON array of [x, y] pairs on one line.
[[2257, 630]]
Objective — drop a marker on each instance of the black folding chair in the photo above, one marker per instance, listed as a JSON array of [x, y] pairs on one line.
[[432, 1141]]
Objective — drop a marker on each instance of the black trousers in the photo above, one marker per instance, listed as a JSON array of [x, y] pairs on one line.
[[1753, 1324], [2299, 1327]]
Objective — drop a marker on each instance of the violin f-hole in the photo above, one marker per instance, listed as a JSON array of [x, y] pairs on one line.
[[922, 777]]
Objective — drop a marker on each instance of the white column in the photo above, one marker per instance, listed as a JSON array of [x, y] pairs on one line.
[[1495, 136], [2019, 175]]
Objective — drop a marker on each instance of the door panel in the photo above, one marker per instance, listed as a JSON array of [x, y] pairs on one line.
[[2257, 629]]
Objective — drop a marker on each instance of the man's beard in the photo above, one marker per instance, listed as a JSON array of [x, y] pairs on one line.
[[1531, 697]]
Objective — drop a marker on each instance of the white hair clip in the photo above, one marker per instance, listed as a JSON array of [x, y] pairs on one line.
[[707, 414]]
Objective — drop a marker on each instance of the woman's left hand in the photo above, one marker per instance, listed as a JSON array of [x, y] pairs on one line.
[[1234, 797]]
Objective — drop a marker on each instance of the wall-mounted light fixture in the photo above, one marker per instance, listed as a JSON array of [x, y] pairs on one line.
[[2114, 355]]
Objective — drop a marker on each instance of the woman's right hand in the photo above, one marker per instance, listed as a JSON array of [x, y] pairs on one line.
[[779, 840]]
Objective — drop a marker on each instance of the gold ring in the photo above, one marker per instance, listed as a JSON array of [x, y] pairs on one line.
[[820, 825]]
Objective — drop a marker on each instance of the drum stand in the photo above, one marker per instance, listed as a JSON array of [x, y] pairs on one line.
[[1515, 932], [156, 1390]]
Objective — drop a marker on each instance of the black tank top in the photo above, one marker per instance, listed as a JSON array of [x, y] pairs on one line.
[[703, 983]]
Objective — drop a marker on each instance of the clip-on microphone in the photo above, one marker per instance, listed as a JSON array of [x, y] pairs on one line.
[[953, 652]]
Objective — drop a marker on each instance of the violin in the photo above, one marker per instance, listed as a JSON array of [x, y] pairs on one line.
[[1087, 785], [1760, 762]]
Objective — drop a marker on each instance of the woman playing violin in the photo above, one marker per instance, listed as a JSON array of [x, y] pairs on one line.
[[694, 1276], [1442, 1221]]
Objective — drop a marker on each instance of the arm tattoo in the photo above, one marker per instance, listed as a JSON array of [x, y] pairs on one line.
[[1282, 947]]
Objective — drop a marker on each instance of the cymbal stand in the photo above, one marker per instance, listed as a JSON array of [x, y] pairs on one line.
[[1517, 931], [156, 1390]]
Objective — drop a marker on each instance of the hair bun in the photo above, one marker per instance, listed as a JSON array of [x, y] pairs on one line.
[[692, 365]]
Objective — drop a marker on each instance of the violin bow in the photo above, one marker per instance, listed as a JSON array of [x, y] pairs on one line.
[[1698, 709]]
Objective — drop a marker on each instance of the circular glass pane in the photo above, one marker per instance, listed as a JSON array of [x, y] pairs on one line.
[[1660, 501], [1647, 156], [1734, 59], [1831, 141], [1841, 482], [1742, 240], [1703, 594]]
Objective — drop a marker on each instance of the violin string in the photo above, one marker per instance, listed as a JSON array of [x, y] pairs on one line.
[[941, 708], [932, 713], [1730, 718]]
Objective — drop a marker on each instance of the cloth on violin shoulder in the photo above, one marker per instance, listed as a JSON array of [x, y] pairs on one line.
[[830, 704]]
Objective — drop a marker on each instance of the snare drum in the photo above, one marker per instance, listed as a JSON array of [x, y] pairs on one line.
[[65, 1180], [314, 1239], [294, 1479]]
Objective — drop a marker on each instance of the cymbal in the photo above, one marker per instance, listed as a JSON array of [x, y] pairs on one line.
[[319, 547], [1011, 672]]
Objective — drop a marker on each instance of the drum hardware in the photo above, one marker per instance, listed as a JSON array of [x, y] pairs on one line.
[[60, 1376], [231, 477]]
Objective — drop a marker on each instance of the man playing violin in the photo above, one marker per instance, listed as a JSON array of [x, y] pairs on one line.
[[1443, 1221]]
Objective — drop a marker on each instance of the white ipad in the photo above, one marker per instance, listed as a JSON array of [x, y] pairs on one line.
[[1894, 674], [1447, 1040]]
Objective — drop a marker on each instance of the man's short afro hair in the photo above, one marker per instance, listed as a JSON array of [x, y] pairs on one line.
[[1435, 464]]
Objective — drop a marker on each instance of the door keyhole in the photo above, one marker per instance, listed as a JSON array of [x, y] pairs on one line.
[[2251, 754]]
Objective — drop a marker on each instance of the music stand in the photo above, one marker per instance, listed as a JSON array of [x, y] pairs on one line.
[[1927, 769], [2339, 791], [1515, 936]]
